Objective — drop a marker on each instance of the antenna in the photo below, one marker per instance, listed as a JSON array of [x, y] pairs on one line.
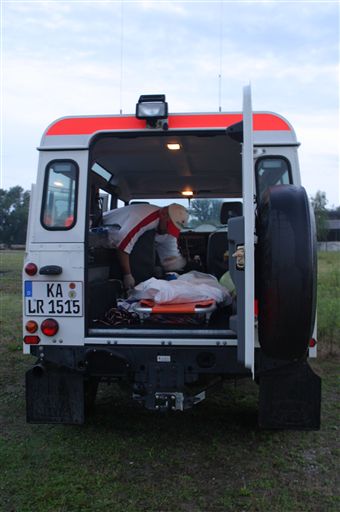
[[220, 58], [121, 56]]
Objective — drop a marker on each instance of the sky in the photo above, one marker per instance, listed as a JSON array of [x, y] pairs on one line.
[[61, 58]]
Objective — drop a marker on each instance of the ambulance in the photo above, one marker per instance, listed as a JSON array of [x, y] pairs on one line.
[[250, 230]]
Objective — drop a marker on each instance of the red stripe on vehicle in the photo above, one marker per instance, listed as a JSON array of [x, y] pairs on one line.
[[147, 220], [204, 121], [88, 125], [260, 121]]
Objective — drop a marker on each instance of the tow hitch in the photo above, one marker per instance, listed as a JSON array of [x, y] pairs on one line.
[[169, 401], [161, 386], [163, 401]]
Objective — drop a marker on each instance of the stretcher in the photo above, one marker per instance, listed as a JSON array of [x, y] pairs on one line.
[[147, 307]]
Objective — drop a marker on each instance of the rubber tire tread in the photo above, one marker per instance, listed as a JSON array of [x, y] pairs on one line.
[[286, 266]]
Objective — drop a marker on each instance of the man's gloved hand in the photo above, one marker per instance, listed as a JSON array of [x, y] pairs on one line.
[[174, 263], [129, 282]]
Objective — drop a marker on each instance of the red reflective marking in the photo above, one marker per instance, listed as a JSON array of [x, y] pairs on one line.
[[88, 125], [31, 340], [204, 121]]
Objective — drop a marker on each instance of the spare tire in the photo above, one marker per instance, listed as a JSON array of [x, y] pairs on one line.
[[285, 272]]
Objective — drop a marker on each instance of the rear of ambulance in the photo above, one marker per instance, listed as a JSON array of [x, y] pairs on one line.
[[72, 282]]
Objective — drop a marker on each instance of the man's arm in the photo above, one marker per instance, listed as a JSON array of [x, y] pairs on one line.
[[128, 279], [124, 260]]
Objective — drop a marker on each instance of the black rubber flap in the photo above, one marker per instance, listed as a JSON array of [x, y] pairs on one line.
[[54, 396], [290, 398]]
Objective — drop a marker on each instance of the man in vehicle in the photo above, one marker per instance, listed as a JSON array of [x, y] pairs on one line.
[[132, 221]]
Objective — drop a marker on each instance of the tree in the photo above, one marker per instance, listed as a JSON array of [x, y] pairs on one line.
[[319, 202], [14, 205]]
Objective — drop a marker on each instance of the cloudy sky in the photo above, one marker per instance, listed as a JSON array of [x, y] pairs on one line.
[[92, 57]]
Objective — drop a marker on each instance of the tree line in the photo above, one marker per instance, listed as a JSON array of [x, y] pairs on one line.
[[14, 206]]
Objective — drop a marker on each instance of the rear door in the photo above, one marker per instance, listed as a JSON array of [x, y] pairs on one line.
[[241, 241], [55, 244]]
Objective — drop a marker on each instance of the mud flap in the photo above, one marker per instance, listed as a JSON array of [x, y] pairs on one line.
[[290, 398], [54, 396]]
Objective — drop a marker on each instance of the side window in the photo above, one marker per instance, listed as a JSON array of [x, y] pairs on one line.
[[59, 198], [271, 171]]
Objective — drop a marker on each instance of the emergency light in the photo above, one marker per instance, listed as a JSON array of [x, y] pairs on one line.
[[152, 107]]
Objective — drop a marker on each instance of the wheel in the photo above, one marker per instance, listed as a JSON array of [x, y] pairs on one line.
[[286, 272]]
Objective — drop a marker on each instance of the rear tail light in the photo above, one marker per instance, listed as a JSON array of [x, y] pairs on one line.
[[31, 326], [49, 327], [312, 343], [31, 269], [31, 340]]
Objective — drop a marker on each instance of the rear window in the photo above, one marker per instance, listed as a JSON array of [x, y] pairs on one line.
[[60, 193], [204, 213], [271, 171]]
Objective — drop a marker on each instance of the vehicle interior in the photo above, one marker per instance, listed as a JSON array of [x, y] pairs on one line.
[[198, 169]]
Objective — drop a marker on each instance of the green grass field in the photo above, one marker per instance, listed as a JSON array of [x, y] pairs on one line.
[[210, 458]]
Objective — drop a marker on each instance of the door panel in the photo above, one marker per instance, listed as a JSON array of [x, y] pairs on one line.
[[241, 241]]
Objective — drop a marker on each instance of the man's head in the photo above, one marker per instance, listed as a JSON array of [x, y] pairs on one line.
[[172, 219]]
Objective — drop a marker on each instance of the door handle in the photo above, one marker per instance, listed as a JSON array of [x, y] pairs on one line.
[[50, 270]]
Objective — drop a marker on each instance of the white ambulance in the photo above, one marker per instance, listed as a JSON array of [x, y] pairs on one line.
[[250, 229]]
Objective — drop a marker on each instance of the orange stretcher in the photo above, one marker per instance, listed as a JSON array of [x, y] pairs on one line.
[[148, 307]]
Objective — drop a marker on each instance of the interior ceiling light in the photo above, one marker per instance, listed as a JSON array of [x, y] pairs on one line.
[[173, 146], [187, 193]]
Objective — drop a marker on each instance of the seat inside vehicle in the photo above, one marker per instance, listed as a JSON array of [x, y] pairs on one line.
[[217, 249]]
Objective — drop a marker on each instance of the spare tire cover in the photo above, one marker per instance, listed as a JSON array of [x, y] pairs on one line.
[[285, 272]]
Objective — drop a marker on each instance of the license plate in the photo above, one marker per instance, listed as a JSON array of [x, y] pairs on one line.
[[62, 298]]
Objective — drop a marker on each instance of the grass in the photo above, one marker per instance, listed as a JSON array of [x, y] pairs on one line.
[[329, 301], [210, 458]]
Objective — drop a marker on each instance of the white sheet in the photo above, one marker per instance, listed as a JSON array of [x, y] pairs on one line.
[[190, 287]]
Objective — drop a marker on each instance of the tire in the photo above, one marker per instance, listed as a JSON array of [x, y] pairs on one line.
[[286, 272]]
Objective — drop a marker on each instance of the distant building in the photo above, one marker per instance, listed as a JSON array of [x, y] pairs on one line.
[[333, 227]]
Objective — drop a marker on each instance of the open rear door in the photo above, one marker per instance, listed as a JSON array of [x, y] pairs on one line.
[[241, 240]]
